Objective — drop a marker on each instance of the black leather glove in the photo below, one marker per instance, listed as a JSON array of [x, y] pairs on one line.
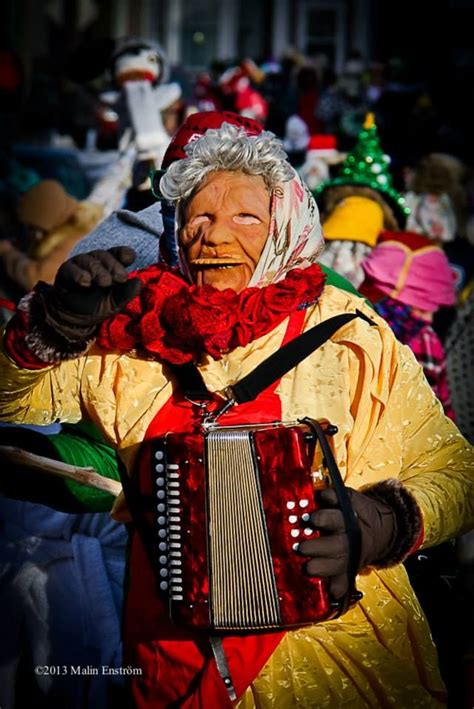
[[88, 289], [390, 523]]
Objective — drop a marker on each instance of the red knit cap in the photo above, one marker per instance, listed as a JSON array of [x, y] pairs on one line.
[[196, 126]]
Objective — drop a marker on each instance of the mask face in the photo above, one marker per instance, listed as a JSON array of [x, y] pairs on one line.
[[225, 228], [139, 65]]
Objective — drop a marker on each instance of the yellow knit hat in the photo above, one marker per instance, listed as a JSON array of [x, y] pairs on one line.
[[355, 219]]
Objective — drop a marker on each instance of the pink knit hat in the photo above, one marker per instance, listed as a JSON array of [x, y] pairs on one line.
[[413, 271]]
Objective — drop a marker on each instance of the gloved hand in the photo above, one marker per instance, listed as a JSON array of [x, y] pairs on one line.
[[88, 289], [389, 528]]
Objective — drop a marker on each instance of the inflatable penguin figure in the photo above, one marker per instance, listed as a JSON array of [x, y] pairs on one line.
[[140, 73]]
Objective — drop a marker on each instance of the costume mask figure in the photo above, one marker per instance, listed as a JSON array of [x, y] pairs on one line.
[[54, 222], [236, 85], [358, 204], [141, 73], [437, 198], [226, 226], [321, 155], [112, 356], [408, 279]]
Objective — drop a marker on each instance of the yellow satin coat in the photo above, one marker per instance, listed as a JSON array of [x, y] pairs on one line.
[[380, 654]]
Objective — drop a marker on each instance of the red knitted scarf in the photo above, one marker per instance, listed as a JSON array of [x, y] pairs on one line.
[[177, 322]]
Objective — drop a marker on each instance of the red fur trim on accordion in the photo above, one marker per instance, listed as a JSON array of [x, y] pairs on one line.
[[177, 322]]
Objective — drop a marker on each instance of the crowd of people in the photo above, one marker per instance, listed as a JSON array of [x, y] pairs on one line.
[[154, 255]]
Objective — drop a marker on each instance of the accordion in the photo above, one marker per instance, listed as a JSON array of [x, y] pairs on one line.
[[229, 507]]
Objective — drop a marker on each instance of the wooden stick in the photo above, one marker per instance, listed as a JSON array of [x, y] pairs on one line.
[[85, 476]]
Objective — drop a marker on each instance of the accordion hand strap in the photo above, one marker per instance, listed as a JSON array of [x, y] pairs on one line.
[[351, 523]]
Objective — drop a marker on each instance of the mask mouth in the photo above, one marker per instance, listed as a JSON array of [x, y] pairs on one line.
[[225, 262]]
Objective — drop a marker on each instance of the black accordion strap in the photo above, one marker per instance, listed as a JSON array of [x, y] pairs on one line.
[[291, 354], [191, 381], [351, 523], [271, 369]]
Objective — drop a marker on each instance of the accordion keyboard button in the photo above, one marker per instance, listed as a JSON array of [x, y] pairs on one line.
[[303, 503], [291, 505], [308, 531], [295, 532], [161, 520], [164, 572], [305, 517], [163, 559], [160, 482], [162, 546], [164, 586], [159, 455], [292, 519]]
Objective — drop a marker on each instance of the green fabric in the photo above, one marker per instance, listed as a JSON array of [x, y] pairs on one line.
[[335, 279], [81, 444]]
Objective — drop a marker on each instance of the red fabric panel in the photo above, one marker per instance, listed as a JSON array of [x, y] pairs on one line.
[[177, 664]]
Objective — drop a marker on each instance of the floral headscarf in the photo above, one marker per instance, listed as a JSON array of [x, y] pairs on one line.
[[295, 237]]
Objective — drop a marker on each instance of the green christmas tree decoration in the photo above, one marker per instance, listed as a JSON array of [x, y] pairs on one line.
[[367, 166]]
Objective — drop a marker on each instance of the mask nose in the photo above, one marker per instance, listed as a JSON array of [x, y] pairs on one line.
[[217, 233]]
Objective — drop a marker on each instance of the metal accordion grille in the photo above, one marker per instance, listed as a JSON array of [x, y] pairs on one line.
[[242, 581]]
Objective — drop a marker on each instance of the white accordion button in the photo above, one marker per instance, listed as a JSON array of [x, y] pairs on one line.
[[160, 482], [292, 519], [161, 494], [295, 532], [305, 517], [161, 507], [159, 468], [162, 546], [291, 505], [162, 533], [161, 520], [163, 559], [163, 572], [303, 503], [308, 531], [296, 546], [159, 455], [164, 585]]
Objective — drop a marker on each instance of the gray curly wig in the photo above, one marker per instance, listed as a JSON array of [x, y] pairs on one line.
[[226, 148]]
